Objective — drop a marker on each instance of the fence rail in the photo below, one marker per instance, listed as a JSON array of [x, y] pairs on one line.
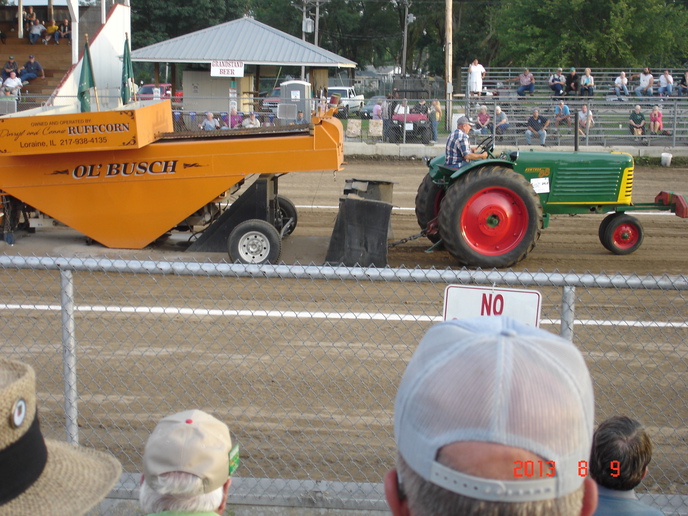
[[303, 362]]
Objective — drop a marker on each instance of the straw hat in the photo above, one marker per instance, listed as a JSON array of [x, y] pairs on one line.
[[42, 476]]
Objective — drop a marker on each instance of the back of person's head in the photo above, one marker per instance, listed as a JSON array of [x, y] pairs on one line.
[[621, 453], [492, 417], [187, 464]]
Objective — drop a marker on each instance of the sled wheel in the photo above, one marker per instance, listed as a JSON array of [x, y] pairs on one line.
[[285, 215], [254, 241], [623, 235], [490, 217], [428, 200]]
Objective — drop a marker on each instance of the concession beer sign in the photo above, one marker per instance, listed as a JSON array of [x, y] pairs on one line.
[[226, 68]]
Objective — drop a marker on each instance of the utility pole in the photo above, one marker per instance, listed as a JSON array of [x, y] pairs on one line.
[[407, 18], [448, 60]]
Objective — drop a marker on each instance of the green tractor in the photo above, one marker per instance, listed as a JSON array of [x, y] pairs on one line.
[[489, 213]]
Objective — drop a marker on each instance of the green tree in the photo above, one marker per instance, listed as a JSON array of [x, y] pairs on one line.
[[602, 33], [153, 21]]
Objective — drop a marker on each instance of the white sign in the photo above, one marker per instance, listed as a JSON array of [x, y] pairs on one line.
[[462, 302], [540, 184], [226, 68]]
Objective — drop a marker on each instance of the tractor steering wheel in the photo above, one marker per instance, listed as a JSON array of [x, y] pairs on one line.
[[487, 145]]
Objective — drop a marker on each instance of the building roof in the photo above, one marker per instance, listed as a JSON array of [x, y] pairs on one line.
[[245, 40]]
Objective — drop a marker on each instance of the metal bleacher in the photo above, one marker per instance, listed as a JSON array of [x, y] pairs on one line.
[[610, 113]]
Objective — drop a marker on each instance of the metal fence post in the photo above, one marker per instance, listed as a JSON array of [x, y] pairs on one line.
[[568, 306], [69, 355]]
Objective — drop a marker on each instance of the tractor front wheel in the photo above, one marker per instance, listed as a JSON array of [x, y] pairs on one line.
[[254, 241], [428, 200], [623, 234], [603, 227], [490, 217]]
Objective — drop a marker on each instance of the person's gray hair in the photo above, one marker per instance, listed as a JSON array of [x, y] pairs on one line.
[[178, 491], [427, 499]]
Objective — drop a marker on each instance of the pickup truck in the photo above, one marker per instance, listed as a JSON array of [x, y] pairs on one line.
[[350, 102]]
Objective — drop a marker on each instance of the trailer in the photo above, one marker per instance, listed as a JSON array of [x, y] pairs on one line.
[[124, 179]]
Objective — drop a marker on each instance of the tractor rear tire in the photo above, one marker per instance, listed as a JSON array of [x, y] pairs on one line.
[[624, 234], [428, 200], [254, 241], [490, 217], [284, 211]]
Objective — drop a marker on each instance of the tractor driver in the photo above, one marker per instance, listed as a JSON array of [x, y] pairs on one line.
[[458, 151]]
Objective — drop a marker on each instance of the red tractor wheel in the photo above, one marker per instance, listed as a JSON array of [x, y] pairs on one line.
[[428, 200], [491, 217], [623, 235], [604, 225]]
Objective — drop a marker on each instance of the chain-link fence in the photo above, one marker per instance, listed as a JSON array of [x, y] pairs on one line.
[[303, 362]]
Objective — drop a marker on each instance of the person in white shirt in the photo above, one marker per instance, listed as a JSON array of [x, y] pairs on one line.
[[476, 74], [585, 120], [402, 109], [251, 122], [646, 80], [621, 85], [12, 85], [666, 84], [557, 82]]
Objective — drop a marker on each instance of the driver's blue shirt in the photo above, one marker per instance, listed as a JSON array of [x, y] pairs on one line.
[[458, 145]]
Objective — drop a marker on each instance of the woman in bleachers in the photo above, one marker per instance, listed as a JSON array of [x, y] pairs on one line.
[[656, 125], [587, 84]]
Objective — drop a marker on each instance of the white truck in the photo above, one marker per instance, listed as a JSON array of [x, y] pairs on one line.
[[350, 102]]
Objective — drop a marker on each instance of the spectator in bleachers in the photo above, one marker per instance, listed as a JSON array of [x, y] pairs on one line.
[[12, 85], [187, 465], [526, 81], [250, 122], [636, 122], [572, 82], [235, 118], [587, 84], [64, 32], [476, 74], [683, 85], [31, 70], [501, 121], [656, 124], [562, 115], [557, 82], [585, 120], [621, 85], [209, 123], [621, 454], [645, 82], [537, 125], [29, 18], [483, 121], [36, 32], [666, 84], [10, 66], [50, 31]]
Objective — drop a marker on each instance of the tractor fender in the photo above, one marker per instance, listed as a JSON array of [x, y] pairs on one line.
[[480, 164]]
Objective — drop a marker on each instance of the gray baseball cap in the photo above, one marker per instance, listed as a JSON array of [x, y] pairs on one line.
[[495, 380], [464, 120]]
